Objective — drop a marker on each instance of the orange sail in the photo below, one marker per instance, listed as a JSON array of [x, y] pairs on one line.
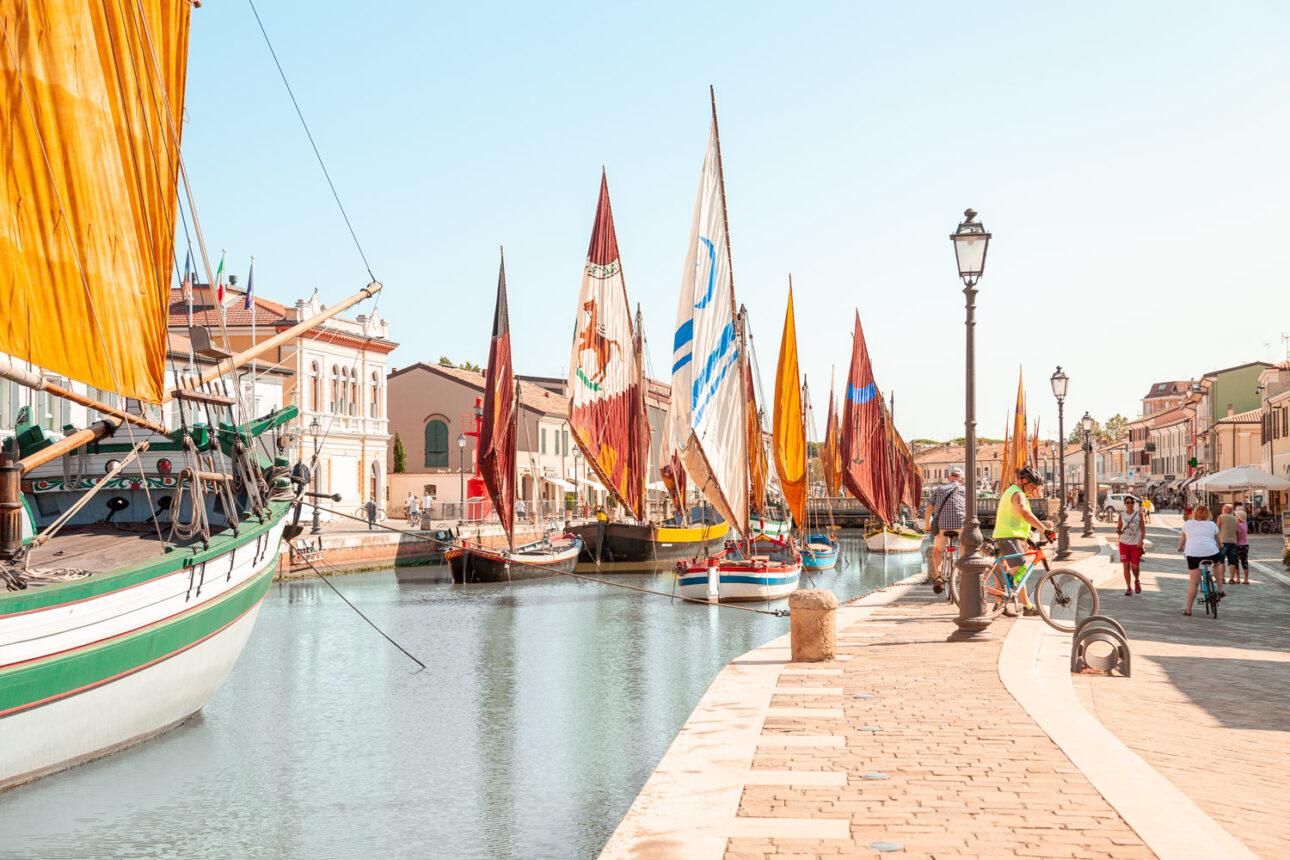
[[830, 453], [787, 430], [92, 96], [758, 468]]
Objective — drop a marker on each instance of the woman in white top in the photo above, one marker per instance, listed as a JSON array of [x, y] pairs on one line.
[[1198, 542]]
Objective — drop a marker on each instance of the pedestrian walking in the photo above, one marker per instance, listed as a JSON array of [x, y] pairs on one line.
[[1243, 545], [414, 512], [1131, 527], [520, 509], [426, 500], [1227, 523], [409, 504], [370, 507], [1198, 542]]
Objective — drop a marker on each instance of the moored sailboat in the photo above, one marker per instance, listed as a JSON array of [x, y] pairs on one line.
[[711, 405], [873, 469], [607, 415], [134, 556], [497, 439]]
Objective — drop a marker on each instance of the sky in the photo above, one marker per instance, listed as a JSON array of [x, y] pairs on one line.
[[1127, 158]]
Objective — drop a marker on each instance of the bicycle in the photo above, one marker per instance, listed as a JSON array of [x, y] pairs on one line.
[[1057, 589], [360, 513], [1208, 590], [947, 565]]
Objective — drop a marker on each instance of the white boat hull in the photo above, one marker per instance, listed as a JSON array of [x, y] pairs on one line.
[[739, 586], [889, 541], [136, 701]]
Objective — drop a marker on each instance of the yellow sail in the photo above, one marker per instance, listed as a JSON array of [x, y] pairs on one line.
[[1020, 450], [787, 430], [91, 96]]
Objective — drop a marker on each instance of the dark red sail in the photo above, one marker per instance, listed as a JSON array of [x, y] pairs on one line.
[[497, 436], [866, 467]]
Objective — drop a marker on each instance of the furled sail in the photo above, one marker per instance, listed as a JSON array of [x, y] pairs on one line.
[[709, 410], [758, 463], [865, 448], [92, 97], [606, 380], [497, 434], [787, 430]]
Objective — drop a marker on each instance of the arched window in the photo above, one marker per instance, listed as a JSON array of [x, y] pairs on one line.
[[315, 388], [376, 395], [335, 388], [437, 444], [355, 402]]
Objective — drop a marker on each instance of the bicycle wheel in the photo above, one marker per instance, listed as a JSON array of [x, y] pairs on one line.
[[1064, 596], [950, 576], [993, 594]]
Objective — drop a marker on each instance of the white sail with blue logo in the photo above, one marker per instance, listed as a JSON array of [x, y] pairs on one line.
[[709, 418]]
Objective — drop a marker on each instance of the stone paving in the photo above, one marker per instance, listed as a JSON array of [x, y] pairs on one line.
[[1208, 703], [937, 759]]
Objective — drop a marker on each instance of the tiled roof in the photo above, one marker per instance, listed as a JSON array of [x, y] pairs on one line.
[[1252, 416], [532, 396], [206, 311], [1169, 388]]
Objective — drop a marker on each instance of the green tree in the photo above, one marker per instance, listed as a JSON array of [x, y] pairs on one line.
[[1116, 427], [445, 361], [400, 455]]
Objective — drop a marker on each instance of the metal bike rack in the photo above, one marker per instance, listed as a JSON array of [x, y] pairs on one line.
[[1103, 629]]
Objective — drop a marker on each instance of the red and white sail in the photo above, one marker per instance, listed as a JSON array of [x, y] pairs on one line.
[[606, 378]]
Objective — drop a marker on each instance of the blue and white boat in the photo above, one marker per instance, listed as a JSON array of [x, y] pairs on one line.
[[820, 552], [761, 569]]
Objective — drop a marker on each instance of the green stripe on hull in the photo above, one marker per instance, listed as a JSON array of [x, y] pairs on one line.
[[56, 677], [179, 559]]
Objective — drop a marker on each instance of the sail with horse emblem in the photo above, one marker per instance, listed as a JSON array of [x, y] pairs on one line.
[[608, 419], [606, 381]]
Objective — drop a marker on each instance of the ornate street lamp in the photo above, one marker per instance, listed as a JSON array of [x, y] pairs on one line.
[[970, 243], [315, 430], [1086, 424], [461, 468], [1060, 381]]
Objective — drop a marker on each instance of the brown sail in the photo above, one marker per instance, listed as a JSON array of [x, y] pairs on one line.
[[497, 435]]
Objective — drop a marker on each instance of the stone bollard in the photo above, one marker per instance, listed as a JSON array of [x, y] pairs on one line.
[[813, 625]]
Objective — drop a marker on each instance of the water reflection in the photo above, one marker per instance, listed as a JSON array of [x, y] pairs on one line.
[[543, 709]]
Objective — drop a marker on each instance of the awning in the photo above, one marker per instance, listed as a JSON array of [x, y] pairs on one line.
[[595, 485], [558, 482]]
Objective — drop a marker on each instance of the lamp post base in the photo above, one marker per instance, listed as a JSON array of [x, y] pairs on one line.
[[1063, 535], [972, 566]]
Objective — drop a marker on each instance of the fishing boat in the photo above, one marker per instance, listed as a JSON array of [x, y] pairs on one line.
[[608, 419], [757, 570], [539, 559], [770, 526], [713, 418], [877, 468], [498, 434], [134, 555], [820, 552]]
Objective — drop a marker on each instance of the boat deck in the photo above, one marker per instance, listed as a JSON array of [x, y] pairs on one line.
[[98, 549]]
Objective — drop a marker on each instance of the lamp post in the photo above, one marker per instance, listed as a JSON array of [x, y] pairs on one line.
[[1059, 381], [315, 430], [970, 244], [461, 468], [1086, 424]]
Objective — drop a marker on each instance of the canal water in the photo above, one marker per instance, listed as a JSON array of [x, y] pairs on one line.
[[542, 711]]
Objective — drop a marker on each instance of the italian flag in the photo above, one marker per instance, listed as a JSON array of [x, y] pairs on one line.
[[219, 279]]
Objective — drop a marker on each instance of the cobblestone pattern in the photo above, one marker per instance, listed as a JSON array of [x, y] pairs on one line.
[[1207, 703], [962, 770]]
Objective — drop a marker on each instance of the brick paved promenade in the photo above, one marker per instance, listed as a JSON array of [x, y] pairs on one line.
[[910, 745], [1208, 704]]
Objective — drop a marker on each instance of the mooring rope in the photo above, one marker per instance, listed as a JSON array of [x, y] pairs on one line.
[[777, 613]]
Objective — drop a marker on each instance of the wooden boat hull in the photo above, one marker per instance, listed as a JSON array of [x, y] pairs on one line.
[[893, 539], [94, 666], [820, 553], [480, 564], [646, 546], [731, 578]]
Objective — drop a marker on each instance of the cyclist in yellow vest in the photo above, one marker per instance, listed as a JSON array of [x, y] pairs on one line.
[[1012, 525]]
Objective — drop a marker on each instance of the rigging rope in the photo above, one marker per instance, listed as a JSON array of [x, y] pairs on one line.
[[309, 134], [778, 613]]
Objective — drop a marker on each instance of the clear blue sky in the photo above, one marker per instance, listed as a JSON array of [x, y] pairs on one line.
[[1129, 159]]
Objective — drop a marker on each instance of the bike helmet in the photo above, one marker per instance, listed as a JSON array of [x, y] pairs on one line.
[[1028, 475]]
